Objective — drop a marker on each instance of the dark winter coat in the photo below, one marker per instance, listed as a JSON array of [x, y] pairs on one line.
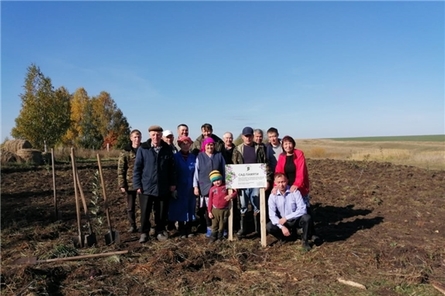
[[154, 173]]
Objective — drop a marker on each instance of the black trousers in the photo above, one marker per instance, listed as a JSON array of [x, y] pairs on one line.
[[267, 193], [303, 222], [159, 206], [131, 207]]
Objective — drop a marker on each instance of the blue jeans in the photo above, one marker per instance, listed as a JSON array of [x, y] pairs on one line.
[[252, 195]]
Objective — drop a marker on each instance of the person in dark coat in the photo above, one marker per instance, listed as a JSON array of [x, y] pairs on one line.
[[227, 150], [182, 206], [154, 178]]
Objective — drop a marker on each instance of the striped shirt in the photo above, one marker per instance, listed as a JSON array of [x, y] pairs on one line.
[[290, 206]]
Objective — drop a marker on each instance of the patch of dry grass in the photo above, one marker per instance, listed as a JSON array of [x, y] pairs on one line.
[[430, 155]]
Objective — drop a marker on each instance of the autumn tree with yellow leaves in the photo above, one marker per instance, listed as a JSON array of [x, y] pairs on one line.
[[45, 114], [56, 117]]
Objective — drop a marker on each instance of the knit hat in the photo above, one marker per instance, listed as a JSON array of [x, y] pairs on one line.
[[215, 175], [205, 142]]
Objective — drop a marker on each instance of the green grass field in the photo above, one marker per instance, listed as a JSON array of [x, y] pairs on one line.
[[424, 138]]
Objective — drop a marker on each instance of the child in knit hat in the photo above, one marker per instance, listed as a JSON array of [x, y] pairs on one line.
[[218, 207]]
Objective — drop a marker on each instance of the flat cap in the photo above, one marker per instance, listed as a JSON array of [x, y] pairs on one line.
[[155, 128]]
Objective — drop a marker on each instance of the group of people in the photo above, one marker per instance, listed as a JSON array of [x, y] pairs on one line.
[[180, 184]]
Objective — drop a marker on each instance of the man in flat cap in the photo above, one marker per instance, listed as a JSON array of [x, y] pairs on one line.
[[154, 179]]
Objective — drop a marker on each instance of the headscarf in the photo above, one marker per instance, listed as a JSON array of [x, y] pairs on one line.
[[205, 142]]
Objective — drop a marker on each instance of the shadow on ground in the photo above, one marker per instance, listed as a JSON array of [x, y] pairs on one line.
[[329, 221]]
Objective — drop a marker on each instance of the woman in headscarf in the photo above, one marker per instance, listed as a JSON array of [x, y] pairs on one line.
[[206, 161]]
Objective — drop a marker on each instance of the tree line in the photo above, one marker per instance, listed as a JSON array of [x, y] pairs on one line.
[[54, 117]]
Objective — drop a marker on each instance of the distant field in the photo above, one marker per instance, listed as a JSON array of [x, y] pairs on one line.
[[421, 151], [426, 138]]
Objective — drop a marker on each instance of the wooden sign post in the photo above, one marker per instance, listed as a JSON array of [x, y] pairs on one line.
[[253, 175], [230, 233], [263, 206]]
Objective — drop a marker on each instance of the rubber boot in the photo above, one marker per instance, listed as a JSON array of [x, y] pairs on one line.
[[242, 231], [257, 223]]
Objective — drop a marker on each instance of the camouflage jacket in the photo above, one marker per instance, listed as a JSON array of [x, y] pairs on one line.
[[196, 146], [261, 157], [125, 168]]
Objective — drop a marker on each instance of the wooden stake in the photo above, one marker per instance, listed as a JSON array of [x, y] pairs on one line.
[[351, 283], [263, 217], [56, 210], [439, 287], [231, 218], [33, 260], [79, 227]]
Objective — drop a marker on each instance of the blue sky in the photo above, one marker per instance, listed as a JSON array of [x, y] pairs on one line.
[[310, 69]]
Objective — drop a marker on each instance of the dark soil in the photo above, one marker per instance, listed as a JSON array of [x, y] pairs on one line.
[[382, 226]]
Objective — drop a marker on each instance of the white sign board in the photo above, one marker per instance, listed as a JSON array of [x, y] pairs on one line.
[[252, 175]]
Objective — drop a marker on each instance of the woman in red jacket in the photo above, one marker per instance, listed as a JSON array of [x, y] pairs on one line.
[[293, 164]]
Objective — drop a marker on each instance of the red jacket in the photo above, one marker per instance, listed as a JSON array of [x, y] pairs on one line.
[[301, 176], [216, 197]]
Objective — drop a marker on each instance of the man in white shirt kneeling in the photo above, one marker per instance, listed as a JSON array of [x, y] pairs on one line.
[[287, 212]]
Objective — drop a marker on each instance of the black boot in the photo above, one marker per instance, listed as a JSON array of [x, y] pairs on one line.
[[257, 223], [188, 229], [214, 236], [306, 246], [182, 229], [312, 225], [242, 231]]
